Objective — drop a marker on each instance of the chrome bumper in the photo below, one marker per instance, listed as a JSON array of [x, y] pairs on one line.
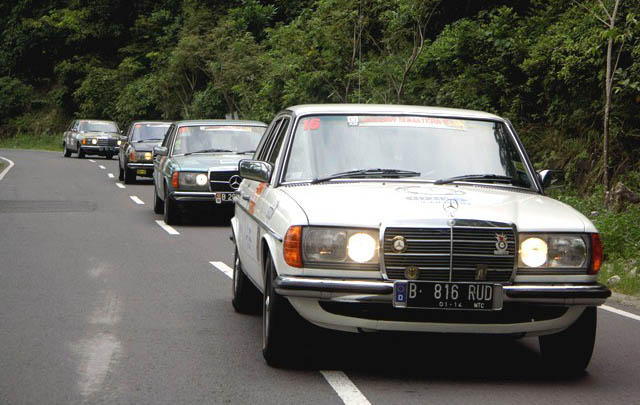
[[140, 166], [206, 196], [100, 150], [382, 291]]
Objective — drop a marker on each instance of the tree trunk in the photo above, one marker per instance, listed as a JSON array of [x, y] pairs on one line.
[[607, 107]]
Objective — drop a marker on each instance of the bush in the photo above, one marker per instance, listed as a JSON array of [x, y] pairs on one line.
[[15, 98]]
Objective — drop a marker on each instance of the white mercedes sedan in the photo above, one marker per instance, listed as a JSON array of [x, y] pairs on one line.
[[368, 218]]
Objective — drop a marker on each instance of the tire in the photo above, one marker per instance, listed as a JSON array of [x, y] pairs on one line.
[[246, 297], [66, 152], [568, 353], [80, 152], [170, 210], [158, 205], [129, 176], [108, 157], [120, 172], [282, 327]]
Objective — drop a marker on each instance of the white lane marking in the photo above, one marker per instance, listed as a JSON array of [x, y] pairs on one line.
[[5, 171], [228, 271], [345, 388], [167, 228], [620, 312], [102, 167], [120, 185], [92, 161], [136, 200], [110, 175]]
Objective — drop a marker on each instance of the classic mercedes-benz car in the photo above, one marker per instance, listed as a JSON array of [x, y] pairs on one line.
[[135, 157], [91, 137], [370, 218], [197, 163]]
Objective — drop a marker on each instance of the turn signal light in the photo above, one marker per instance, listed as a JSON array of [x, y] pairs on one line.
[[132, 156], [84, 141], [174, 179], [293, 246], [596, 254]]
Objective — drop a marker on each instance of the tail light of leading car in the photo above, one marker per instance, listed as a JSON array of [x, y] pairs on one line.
[[596, 253], [293, 246]]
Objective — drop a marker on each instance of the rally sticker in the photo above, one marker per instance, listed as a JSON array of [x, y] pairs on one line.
[[225, 128], [311, 124], [415, 122]]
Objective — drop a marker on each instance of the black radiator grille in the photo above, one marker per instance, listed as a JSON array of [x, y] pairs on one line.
[[219, 181], [107, 142]]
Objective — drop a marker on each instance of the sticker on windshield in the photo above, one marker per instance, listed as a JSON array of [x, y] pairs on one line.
[[155, 125], [414, 122], [352, 120], [225, 128], [311, 124]]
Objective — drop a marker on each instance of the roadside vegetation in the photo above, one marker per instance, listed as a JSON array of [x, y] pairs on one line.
[[566, 72]]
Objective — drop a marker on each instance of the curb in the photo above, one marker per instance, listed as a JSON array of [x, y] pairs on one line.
[[624, 299]]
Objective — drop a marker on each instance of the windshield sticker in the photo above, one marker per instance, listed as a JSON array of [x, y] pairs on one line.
[[225, 128], [156, 125], [415, 122], [352, 120], [311, 124], [182, 130], [138, 125]]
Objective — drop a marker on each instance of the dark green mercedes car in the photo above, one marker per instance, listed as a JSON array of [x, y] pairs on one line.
[[197, 163]]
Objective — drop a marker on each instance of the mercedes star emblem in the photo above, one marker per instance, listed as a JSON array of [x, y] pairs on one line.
[[450, 206], [234, 182]]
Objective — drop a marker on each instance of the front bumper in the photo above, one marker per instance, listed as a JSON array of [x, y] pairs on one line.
[[199, 196], [346, 290], [99, 150], [146, 166]]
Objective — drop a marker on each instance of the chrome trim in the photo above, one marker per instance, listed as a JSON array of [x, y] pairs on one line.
[[451, 223], [261, 223], [140, 165], [194, 193]]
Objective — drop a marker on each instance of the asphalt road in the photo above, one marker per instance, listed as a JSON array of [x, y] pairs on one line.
[[100, 304]]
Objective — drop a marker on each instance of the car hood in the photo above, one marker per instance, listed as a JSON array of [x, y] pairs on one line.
[[370, 204], [146, 146], [202, 162]]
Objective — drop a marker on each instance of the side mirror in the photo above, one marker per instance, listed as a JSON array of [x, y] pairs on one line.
[[255, 170], [551, 178], [160, 151]]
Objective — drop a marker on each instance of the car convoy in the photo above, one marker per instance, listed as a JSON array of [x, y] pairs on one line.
[[369, 218]]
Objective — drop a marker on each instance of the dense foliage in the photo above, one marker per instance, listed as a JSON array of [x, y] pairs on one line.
[[540, 63]]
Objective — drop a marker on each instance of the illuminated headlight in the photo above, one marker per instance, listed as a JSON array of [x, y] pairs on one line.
[[193, 180], [553, 251], [119, 142], [339, 245], [147, 156], [94, 141]]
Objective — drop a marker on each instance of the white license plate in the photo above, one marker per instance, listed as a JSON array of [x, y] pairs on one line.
[[224, 197]]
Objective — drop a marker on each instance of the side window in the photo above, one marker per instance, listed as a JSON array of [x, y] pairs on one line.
[[277, 142], [75, 126], [167, 136], [263, 146]]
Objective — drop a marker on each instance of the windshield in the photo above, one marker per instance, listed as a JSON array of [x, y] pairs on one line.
[[98, 127], [144, 132], [421, 147], [217, 138]]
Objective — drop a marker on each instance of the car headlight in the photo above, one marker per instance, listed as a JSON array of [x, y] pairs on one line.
[[553, 251], [193, 180], [119, 142], [141, 156], [339, 245], [94, 141]]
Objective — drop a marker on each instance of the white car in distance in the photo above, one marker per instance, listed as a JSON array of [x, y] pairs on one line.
[[368, 218]]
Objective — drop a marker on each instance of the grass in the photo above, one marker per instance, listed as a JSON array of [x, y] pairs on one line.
[[620, 232], [24, 141]]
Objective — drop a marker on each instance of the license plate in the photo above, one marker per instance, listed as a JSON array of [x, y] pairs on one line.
[[224, 197], [141, 171], [447, 295]]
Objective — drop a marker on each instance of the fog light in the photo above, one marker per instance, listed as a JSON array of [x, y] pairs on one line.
[[361, 247], [533, 252]]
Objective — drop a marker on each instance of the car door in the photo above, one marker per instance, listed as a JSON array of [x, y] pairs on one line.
[[261, 203], [160, 162], [73, 136], [65, 135]]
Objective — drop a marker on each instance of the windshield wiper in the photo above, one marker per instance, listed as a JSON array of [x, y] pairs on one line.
[[147, 140], [477, 177], [395, 173], [208, 151]]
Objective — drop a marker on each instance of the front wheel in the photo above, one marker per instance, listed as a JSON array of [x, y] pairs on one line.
[[66, 152], [569, 352], [282, 327], [120, 173], [246, 297], [80, 153], [108, 157], [158, 205], [129, 176], [170, 210]]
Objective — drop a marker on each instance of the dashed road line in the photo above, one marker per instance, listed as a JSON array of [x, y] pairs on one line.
[[92, 161], [620, 312], [167, 228], [136, 200], [110, 175], [121, 185], [5, 171], [102, 167], [228, 271], [345, 388]]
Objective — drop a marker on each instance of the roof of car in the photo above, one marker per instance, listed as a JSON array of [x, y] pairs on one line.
[[92, 120], [388, 109], [221, 122], [151, 122]]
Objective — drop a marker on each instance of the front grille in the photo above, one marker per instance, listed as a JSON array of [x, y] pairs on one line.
[[219, 181], [107, 142], [451, 254]]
